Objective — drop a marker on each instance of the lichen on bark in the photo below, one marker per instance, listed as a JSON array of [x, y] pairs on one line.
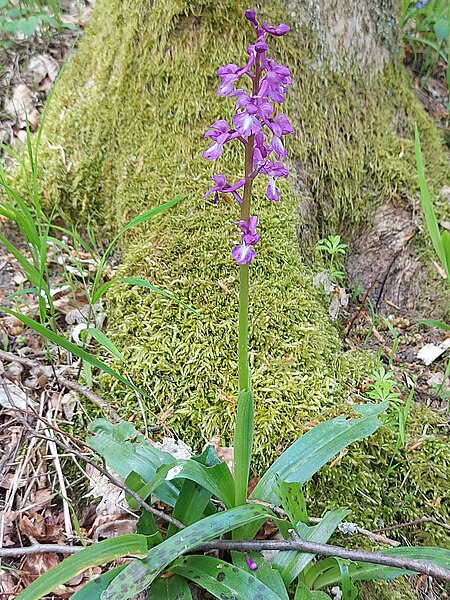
[[130, 113]]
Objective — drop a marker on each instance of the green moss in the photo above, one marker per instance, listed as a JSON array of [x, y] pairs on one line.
[[400, 589], [130, 113], [383, 489]]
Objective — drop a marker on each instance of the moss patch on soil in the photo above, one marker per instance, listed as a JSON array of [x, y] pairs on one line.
[[130, 114]]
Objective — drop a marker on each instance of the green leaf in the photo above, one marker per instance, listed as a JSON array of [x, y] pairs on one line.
[[30, 271], [349, 590], [138, 485], [265, 573], [445, 239], [217, 479], [303, 593], [125, 451], [441, 30], [23, 293], [101, 291], [193, 498], [147, 526], [92, 556], [291, 563], [368, 572], [153, 288], [28, 25], [141, 573], [104, 341], [427, 205], [293, 501], [433, 323], [68, 25], [243, 444], [223, 580], [173, 587], [97, 585], [59, 340], [316, 447]]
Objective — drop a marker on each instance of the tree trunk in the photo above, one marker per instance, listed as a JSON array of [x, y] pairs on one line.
[[130, 113]]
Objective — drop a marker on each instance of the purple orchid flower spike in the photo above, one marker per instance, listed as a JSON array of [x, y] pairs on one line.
[[256, 126], [274, 170]]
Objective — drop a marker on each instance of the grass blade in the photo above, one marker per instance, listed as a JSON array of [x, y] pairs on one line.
[[427, 205]]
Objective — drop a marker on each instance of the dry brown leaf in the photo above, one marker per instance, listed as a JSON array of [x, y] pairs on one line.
[[21, 105], [439, 269], [69, 403], [12, 325], [8, 588], [253, 482], [110, 526], [81, 577], [7, 521], [34, 565], [12, 396], [112, 498], [33, 526], [43, 66], [42, 498]]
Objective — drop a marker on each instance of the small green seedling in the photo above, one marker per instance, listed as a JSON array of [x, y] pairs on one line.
[[333, 246]]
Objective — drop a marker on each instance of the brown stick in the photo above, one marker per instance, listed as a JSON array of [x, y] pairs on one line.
[[418, 566], [353, 527], [361, 306], [415, 522]]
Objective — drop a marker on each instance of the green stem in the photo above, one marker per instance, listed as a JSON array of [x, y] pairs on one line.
[[244, 370], [243, 436]]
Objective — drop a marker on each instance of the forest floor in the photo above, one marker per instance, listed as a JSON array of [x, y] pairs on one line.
[[40, 469]]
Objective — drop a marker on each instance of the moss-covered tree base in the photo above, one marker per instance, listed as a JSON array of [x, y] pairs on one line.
[[130, 114]]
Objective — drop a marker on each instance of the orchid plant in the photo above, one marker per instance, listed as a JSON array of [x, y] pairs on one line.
[[260, 131], [206, 500]]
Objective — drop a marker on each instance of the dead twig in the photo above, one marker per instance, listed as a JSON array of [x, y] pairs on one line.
[[417, 566], [362, 305], [344, 527], [415, 522], [37, 548]]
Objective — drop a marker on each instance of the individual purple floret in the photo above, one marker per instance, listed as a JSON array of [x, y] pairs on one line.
[[244, 253], [255, 125], [251, 563], [421, 4], [223, 186]]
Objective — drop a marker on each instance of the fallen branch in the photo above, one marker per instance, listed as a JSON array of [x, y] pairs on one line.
[[378, 558], [417, 566], [345, 527], [415, 522], [38, 549]]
